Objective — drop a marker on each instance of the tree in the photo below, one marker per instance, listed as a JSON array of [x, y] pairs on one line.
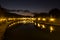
[[1, 11], [41, 14], [54, 12]]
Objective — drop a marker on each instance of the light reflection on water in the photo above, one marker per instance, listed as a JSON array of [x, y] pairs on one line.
[[51, 28], [39, 25], [43, 26]]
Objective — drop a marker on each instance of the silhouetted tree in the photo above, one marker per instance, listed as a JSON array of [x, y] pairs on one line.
[[1, 11], [35, 14], [54, 12], [41, 14], [4, 13]]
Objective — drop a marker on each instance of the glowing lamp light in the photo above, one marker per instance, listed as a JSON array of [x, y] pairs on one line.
[[24, 22], [33, 18], [2, 20], [52, 19], [44, 19], [9, 18], [39, 18]]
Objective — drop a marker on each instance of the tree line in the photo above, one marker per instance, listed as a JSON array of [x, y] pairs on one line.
[[55, 12]]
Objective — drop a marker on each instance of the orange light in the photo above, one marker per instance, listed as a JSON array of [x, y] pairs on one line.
[[38, 25], [52, 19], [51, 28], [43, 26], [39, 18], [44, 19]]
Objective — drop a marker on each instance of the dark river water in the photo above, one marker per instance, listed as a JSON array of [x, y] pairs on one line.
[[32, 32]]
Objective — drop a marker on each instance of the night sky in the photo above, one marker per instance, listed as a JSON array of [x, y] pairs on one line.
[[31, 5]]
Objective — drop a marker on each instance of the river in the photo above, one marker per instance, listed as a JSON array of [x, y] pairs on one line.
[[29, 31]]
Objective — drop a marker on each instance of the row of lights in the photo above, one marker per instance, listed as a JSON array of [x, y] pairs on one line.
[[50, 19], [44, 19], [2, 19], [24, 22], [43, 26]]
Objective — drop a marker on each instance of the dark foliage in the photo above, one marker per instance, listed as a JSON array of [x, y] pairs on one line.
[[55, 12]]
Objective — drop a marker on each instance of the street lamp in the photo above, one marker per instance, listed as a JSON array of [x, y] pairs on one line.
[[44, 19], [52, 19], [39, 18]]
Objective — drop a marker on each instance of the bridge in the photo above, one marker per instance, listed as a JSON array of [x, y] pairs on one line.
[[8, 22]]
